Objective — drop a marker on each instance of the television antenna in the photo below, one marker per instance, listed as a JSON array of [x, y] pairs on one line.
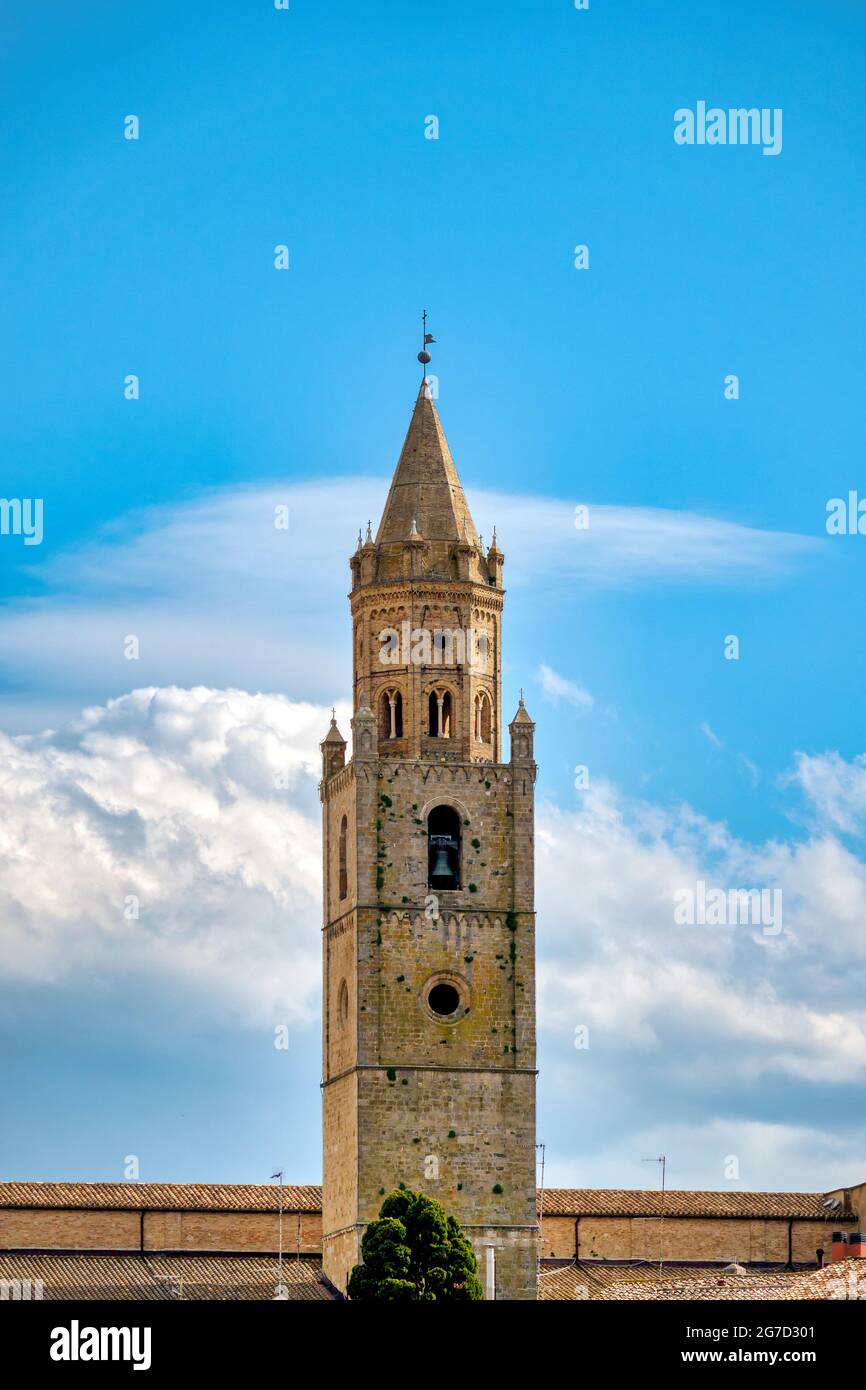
[[281, 1293], [662, 1159]]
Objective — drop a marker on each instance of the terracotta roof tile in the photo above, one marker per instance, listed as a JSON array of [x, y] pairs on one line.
[[170, 1196], [555, 1201], [587, 1201], [843, 1280], [645, 1282], [169, 1277]]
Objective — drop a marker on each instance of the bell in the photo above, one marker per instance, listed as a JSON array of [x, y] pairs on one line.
[[441, 867]]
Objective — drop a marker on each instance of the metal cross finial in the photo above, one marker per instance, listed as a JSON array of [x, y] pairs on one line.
[[423, 355]]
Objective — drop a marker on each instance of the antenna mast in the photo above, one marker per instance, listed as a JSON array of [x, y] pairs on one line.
[[280, 1289], [663, 1161]]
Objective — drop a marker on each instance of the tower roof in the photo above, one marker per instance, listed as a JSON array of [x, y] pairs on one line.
[[522, 716], [425, 488], [333, 735]]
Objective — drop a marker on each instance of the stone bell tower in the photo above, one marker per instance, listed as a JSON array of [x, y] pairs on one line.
[[429, 923]]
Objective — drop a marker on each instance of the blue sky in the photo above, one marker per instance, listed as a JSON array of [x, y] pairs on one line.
[[557, 387]]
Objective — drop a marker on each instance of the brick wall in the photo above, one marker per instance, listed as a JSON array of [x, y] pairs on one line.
[[57, 1229], [755, 1240]]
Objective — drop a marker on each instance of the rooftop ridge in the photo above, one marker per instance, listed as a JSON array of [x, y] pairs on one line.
[[552, 1201]]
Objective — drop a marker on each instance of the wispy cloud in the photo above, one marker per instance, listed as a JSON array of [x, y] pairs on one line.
[[711, 735], [212, 587], [557, 688], [835, 789]]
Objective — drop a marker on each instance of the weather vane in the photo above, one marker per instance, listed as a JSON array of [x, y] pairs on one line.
[[423, 355]]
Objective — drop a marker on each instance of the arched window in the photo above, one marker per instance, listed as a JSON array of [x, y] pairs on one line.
[[390, 715], [443, 848], [342, 1006], [482, 717], [439, 714], [344, 878]]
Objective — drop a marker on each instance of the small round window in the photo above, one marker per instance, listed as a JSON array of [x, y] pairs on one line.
[[443, 1000], [445, 997]]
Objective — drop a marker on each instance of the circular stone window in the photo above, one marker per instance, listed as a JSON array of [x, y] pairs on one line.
[[446, 998]]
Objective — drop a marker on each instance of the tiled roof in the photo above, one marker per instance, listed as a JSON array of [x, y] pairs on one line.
[[603, 1201], [646, 1282], [555, 1201], [168, 1277], [168, 1196], [254, 1278], [843, 1280]]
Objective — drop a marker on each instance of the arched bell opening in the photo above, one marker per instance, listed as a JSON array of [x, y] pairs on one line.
[[439, 714], [443, 848], [483, 720], [390, 715]]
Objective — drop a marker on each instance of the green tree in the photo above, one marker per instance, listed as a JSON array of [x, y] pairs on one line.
[[415, 1251]]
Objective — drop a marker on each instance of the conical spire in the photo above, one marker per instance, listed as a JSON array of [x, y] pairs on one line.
[[333, 735], [425, 487]]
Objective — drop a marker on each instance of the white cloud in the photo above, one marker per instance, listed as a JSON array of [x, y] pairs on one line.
[[211, 587], [835, 788], [169, 796], [770, 1157], [729, 1002], [557, 688], [627, 547], [711, 735]]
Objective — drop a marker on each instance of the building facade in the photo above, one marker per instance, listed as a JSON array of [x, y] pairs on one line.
[[429, 923]]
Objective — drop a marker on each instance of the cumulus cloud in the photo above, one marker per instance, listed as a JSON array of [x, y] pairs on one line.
[[201, 805], [171, 833], [714, 1003]]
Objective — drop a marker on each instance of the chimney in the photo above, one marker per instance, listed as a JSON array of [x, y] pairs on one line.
[[839, 1246]]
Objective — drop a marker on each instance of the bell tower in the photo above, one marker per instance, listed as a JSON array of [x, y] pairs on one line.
[[429, 923]]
